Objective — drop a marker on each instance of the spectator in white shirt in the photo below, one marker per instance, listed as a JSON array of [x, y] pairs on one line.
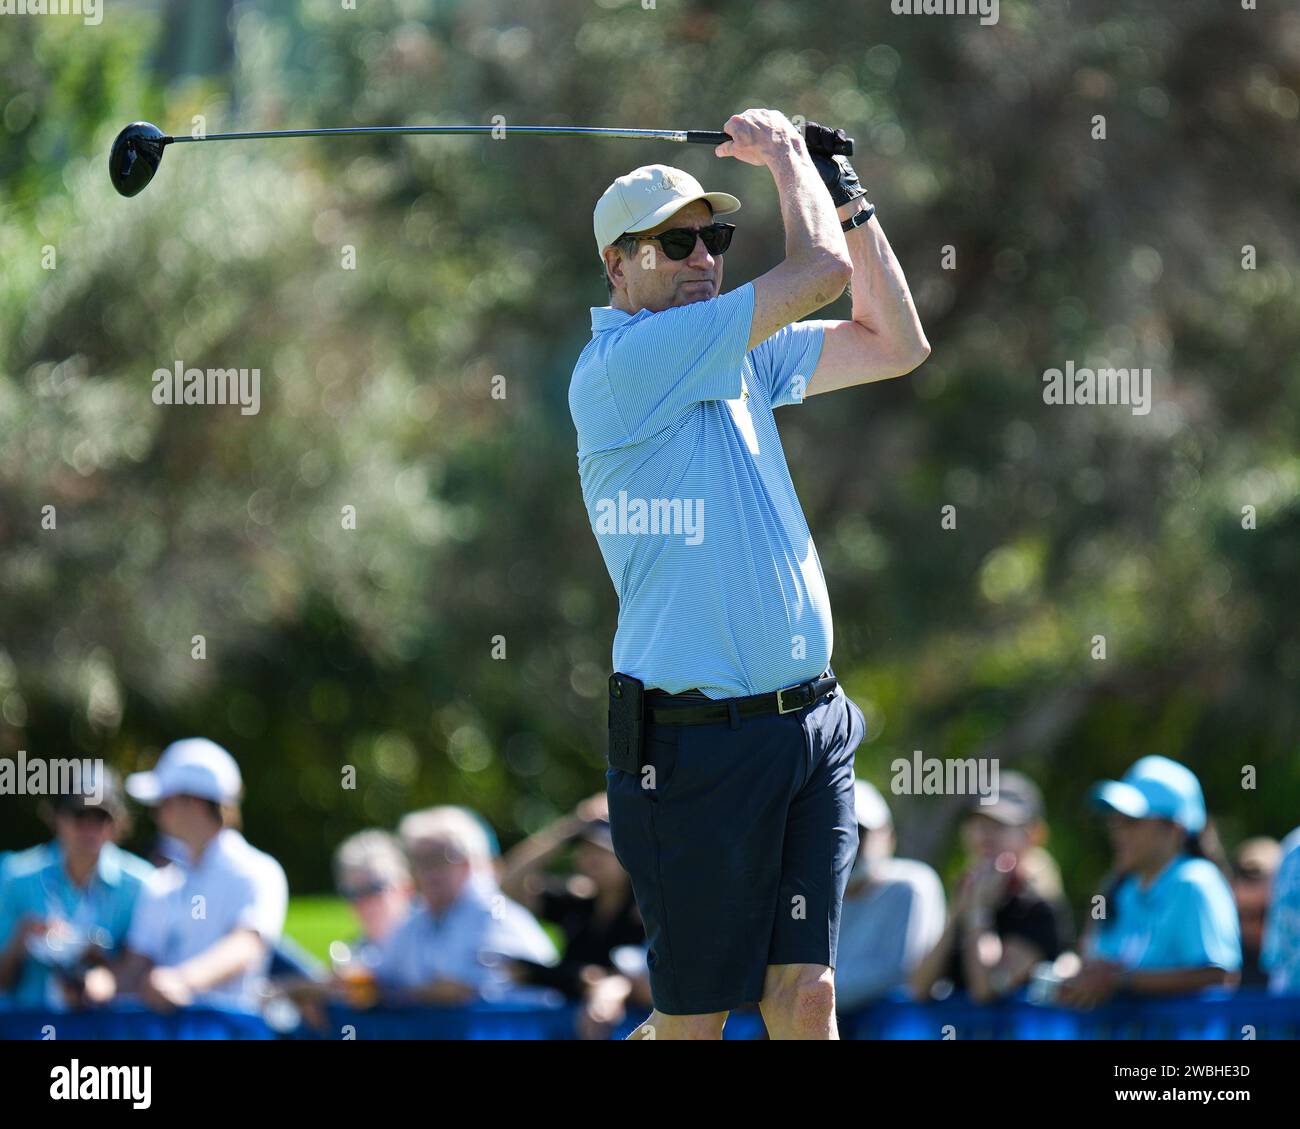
[[893, 911], [204, 929]]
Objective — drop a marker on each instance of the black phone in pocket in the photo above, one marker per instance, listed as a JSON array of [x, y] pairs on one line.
[[626, 722]]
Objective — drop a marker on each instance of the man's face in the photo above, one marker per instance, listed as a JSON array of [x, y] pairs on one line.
[[82, 834], [652, 281], [440, 871]]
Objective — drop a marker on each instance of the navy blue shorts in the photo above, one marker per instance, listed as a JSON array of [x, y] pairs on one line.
[[739, 846]]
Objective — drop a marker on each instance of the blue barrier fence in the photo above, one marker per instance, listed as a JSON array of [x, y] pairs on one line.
[[1218, 1016], [134, 1023]]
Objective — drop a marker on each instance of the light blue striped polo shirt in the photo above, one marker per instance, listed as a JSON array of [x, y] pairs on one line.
[[689, 496]]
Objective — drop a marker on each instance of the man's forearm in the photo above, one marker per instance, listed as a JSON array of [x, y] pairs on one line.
[[231, 956], [1174, 981], [882, 302], [812, 230]]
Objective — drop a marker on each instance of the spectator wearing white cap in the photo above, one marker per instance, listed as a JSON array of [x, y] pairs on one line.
[[893, 911], [203, 929], [1170, 925], [458, 943]]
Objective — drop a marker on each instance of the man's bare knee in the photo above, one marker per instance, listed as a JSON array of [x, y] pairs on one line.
[[661, 1026], [802, 1006]]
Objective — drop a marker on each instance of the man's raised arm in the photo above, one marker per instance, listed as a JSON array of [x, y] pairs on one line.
[[817, 266]]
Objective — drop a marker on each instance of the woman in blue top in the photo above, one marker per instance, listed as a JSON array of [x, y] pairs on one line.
[[1170, 924]]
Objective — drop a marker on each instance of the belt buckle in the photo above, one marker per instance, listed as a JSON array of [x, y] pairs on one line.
[[780, 700]]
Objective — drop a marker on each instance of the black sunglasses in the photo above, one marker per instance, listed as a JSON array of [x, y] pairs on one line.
[[679, 242], [366, 890]]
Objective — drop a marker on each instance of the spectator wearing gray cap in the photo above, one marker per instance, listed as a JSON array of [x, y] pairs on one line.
[[1001, 925], [594, 907], [203, 929], [67, 904], [893, 911], [459, 941]]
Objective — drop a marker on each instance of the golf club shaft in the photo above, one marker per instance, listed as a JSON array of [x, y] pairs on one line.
[[696, 136]]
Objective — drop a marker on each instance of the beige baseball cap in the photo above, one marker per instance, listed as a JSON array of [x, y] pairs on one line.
[[647, 196]]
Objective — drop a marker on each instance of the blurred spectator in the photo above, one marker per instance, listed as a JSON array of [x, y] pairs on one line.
[[1253, 868], [1281, 952], [595, 908], [1000, 925], [203, 930], [67, 904], [1170, 925], [371, 874], [893, 911], [461, 937]]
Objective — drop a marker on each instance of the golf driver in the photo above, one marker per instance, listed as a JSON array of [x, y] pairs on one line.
[[137, 151]]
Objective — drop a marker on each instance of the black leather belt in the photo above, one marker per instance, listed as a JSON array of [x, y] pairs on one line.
[[675, 709]]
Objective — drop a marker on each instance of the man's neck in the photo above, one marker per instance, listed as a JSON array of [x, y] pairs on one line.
[[80, 871], [1153, 869], [199, 842]]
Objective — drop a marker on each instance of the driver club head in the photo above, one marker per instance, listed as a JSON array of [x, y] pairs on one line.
[[137, 151]]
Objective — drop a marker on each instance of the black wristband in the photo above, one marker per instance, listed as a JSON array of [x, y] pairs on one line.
[[858, 218]]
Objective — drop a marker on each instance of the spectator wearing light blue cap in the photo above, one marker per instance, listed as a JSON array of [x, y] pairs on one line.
[[1170, 922]]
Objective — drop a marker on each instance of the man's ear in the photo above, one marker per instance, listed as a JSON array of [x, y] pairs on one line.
[[614, 265]]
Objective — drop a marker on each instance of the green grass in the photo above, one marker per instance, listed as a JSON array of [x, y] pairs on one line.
[[316, 921]]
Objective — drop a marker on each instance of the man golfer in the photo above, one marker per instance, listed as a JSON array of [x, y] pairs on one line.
[[731, 778]]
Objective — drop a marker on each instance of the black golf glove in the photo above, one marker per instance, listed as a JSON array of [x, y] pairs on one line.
[[836, 172]]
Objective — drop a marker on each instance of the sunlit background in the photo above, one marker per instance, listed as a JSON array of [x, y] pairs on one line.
[[474, 259]]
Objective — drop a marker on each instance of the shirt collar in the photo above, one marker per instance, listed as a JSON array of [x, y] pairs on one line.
[[219, 846], [1147, 890], [606, 317], [108, 867]]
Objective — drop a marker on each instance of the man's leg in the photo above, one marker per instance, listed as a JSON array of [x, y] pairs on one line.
[[799, 1002], [821, 842], [661, 1026]]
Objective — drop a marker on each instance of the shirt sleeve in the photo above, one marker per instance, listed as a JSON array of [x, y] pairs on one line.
[[925, 923], [784, 363], [8, 911], [877, 961], [661, 366], [1283, 922], [1204, 921], [147, 934], [267, 905], [517, 934]]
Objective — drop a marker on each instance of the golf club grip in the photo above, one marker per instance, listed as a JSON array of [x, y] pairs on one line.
[[716, 137]]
